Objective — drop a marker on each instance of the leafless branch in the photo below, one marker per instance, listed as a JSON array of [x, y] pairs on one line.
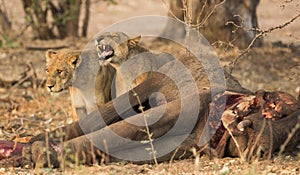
[[210, 13], [147, 127], [291, 134], [235, 142], [257, 139], [170, 11], [271, 139], [201, 12], [261, 34]]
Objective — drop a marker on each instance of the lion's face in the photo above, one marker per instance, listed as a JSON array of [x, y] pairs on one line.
[[60, 68], [113, 47]]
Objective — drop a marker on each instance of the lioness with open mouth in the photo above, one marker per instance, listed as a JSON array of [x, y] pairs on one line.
[[133, 63]]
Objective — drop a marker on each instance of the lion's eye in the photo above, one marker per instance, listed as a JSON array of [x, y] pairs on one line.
[[47, 70], [59, 71]]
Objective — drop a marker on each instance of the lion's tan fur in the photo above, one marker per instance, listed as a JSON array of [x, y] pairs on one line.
[[133, 62], [61, 74]]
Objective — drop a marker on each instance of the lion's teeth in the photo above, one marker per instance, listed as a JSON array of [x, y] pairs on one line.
[[103, 47]]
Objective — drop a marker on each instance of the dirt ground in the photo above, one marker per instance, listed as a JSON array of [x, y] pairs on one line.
[[27, 108]]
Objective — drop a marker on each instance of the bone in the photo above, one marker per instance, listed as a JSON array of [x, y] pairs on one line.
[[243, 124], [228, 117]]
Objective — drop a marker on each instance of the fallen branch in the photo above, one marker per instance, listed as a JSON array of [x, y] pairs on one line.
[[43, 48]]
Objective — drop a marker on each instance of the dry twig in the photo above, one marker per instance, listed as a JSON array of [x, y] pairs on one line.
[[209, 15], [260, 35], [291, 134], [235, 142], [147, 127], [257, 138], [170, 11]]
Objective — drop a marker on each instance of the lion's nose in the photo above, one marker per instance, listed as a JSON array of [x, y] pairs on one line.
[[50, 87]]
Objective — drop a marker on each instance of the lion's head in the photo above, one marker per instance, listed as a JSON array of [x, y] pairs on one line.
[[60, 68], [114, 47]]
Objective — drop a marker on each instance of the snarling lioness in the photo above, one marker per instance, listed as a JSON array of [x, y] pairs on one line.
[[182, 122], [65, 68], [133, 63]]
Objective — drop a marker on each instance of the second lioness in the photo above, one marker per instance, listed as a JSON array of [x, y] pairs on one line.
[[79, 71], [133, 63]]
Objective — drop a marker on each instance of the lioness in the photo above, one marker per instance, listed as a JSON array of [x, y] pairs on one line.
[[133, 63], [67, 68]]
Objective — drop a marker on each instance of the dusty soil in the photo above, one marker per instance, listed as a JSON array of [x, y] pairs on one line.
[[26, 108]]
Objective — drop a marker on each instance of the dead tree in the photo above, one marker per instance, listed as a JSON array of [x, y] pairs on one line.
[[5, 26], [224, 21], [57, 19]]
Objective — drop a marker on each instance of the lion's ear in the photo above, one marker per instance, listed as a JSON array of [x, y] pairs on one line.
[[49, 54], [75, 58], [134, 41]]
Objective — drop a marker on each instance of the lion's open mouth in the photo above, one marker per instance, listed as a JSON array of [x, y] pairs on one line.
[[105, 52]]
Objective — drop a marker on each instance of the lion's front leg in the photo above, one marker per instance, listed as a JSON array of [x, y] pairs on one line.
[[107, 114], [128, 139], [79, 109]]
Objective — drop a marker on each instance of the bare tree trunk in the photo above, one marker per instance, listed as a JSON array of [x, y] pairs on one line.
[[65, 16], [74, 12], [228, 21], [5, 24], [86, 18], [38, 18], [5, 27]]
